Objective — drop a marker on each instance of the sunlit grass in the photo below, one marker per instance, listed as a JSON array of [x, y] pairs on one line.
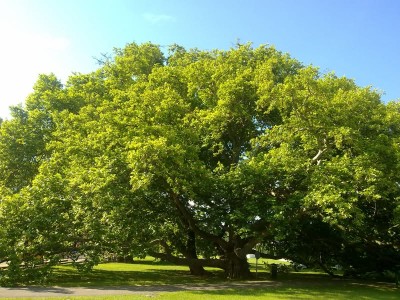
[[296, 285], [143, 272], [340, 292]]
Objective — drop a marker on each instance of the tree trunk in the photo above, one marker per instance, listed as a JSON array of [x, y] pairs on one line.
[[195, 269], [237, 266]]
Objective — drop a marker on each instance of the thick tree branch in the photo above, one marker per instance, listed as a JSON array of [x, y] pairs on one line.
[[316, 159], [192, 224], [164, 244], [247, 248]]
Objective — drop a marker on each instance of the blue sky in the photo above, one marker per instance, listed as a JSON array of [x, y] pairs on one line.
[[355, 38]]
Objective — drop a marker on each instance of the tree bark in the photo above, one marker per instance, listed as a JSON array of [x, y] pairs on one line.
[[234, 261], [195, 269], [237, 266]]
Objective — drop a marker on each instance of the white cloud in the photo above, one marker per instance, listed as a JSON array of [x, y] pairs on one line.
[[157, 18]]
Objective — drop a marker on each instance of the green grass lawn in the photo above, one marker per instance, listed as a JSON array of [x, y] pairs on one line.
[[142, 272], [296, 285]]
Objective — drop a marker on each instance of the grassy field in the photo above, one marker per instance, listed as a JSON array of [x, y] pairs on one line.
[[304, 285], [142, 272]]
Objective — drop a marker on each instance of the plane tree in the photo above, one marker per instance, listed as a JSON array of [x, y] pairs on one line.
[[200, 157]]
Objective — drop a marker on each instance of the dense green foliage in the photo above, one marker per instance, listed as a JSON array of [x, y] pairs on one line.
[[199, 158]]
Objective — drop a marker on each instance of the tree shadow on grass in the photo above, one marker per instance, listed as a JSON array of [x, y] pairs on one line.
[[35, 289], [288, 286], [69, 278], [308, 290]]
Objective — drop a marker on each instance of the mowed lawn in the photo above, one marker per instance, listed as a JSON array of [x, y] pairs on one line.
[[175, 282]]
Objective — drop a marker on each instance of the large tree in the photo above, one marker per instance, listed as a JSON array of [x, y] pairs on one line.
[[199, 157]]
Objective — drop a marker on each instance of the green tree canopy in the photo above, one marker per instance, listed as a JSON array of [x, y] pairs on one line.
[[199, 157]]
